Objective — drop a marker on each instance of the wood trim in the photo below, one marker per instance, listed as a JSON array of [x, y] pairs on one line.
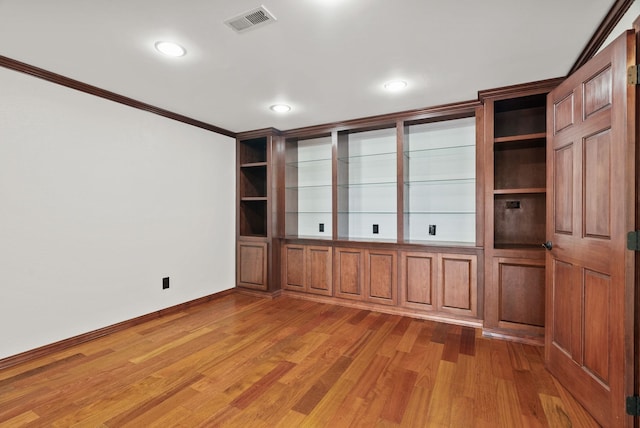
[[49, 76], [461, 109], [521, 89], [95, 334], [603, 31], [258, 133]]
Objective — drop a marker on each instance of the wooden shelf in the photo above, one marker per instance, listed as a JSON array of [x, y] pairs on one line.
[[520, 191], [253, 198], [524, 137], [253, 164]]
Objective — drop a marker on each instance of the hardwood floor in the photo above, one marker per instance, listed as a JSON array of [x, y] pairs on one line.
[[242, 361]]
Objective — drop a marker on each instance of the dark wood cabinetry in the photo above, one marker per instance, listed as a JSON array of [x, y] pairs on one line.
[[441, 282], [257, 251], [515, 210], [307, 268]]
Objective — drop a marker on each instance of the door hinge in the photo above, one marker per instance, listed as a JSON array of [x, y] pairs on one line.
[[633, 240], [633, 405], [633, 75]]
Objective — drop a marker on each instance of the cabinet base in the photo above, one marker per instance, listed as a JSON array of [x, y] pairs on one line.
[[393, 310], [257, 293], [513, 337]]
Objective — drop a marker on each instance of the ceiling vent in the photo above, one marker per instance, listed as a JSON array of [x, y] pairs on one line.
[[252, 19]]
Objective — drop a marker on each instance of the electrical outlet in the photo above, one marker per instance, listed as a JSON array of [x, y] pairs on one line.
[[321, 227], [165, 283], [376, 229], [513, 205], [432, 229]]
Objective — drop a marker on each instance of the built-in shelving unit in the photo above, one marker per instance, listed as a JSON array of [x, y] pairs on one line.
[[367, 185], [440, 182], [515, 211], [519, 156], [309, 184], [253, 191]]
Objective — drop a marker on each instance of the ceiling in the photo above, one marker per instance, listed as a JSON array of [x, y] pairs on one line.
[[327, 59]]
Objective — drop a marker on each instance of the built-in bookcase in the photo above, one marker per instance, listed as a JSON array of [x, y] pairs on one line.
[[367, 185], [253, 187], [308, 178], [440, 182]]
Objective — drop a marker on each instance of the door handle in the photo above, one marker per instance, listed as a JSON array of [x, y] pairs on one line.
[[548, 245]]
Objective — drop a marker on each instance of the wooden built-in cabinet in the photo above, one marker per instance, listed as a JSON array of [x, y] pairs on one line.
[[440, 282], [366, 274], [515, 210], [257, 252], [307, 268]]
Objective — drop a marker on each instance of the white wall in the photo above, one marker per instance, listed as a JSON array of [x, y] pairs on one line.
[[99, 202]]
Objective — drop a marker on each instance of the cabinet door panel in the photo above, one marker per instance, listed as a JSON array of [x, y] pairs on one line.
[[458, 284], [418, 279], [252, 265], [319, 270], [381, 277], [521, 292], [294, 268], [348, 273]]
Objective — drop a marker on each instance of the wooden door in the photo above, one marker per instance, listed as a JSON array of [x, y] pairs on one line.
[[381, 276], [294, 267], [418, 277], [252, 265], [348, 273], [319, 272], [458, 284], [590, 208]]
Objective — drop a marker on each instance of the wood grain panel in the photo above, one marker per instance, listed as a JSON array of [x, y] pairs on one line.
[[319, 270], [348, 272], [458, 281], [563, 285], [563, 189], [597, 93], [597, 294], [598, 187], [294, 267], [563, 113], [521, 288], [252, 265], [381, 276], [418, 279]]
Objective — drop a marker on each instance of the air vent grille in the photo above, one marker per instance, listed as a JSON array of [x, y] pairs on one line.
[[250, 19]]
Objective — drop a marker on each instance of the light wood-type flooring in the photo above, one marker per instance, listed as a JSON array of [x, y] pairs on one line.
[[242, 361]]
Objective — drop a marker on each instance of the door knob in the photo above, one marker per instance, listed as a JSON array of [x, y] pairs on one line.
[[548, 245]]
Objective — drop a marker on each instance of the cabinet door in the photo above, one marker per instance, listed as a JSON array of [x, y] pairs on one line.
[[418, 278], [319, 270], [293, 267], [521, 296], [348, 273], [381, 276], [252, 265], [457, 280]]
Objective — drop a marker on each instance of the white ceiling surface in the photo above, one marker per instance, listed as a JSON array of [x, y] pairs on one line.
[[327, 59]]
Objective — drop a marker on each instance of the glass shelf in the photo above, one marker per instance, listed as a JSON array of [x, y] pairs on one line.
[[373, 157], [372, 184], [366, 212], [438, 151], [309, 162], [452, 181], [309, 186], [441, 212], [308, 212]]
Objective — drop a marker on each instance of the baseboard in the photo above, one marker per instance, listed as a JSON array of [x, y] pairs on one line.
[[391, 310], [257, 293], [86, 337], [513, 337]]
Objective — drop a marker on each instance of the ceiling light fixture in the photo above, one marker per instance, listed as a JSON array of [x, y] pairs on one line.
[[395, 85], [280, 108], [170, 49]]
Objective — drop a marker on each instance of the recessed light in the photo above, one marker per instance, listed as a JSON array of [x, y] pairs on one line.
[[280, 108], [395, 85], [170, 49]]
